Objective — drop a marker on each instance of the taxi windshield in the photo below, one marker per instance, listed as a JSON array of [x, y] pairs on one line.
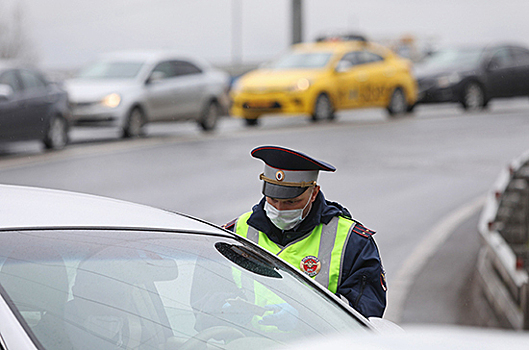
[[110, 70], [107, 290], [301, 60]]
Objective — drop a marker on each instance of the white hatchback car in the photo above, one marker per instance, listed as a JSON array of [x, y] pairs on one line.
[[80, 272], [130, 89]]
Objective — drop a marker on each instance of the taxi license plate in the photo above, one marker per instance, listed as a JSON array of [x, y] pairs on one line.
[[259, 104]]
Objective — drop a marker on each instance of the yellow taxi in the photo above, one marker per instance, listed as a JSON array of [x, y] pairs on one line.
[[319, 78]]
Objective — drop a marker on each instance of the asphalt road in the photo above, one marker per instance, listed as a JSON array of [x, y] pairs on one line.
[[407, 178]]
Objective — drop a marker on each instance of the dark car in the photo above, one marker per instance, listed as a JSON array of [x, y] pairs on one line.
[[32, 108], [473, 76]]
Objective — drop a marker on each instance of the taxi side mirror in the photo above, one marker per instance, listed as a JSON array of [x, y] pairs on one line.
[[343, 66]]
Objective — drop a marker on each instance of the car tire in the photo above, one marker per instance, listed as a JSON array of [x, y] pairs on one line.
[[473, 97], [56, 133], [210, 116], [252, 122], [134, 124], [323, 109], [397, 103]]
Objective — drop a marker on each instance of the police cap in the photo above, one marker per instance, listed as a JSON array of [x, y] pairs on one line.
[[287, 173]]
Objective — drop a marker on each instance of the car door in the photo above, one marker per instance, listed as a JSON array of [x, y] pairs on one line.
[[362, 84], [500, 76], [191, 81], [521, 70], [349, 78], [36, 106], [11, 110], [161, 93]]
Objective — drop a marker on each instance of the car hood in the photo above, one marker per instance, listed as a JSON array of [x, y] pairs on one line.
[[268, 78], [425, 71], [82, 90]]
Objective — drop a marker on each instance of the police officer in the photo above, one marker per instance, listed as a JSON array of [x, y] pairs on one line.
[[294, 221]]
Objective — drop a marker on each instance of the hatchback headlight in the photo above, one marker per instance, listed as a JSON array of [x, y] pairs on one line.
[[447, 80], [111, 101]]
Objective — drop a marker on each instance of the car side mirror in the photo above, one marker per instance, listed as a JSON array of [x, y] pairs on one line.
[[343, 66], [5, 92]]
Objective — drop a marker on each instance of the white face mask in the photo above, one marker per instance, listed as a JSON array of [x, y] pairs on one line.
[[285, 219]]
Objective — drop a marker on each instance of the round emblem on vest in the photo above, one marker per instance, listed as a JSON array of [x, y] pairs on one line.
[[311, 265], [280, 175]]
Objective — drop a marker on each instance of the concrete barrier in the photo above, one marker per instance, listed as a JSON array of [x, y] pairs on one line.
[[504, 256]]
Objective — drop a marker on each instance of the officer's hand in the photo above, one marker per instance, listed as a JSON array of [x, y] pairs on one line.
[[285, 317]]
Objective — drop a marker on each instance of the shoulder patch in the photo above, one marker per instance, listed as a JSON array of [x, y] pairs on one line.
[[363, 231], [229, 225]]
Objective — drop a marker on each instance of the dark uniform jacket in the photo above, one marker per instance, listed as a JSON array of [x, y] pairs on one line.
[[363, 281]]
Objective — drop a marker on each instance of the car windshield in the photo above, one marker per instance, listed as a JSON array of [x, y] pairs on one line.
[[111, 70], [451, 57], [301, 60], [127, 289]]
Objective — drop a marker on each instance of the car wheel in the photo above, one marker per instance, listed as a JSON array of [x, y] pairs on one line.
[[56, 134], [209, 117], [251, 121], [397, 104], [134, 125], [323, 109], [473, 98]]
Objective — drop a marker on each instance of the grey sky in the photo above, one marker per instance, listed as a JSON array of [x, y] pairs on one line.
[[69, 33]]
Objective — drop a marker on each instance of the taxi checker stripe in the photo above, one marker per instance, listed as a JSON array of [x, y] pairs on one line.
[[327, 241]]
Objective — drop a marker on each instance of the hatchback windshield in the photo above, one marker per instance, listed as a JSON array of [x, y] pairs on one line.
[[109, 290], [301, 60], [111, 70], [451, 57]]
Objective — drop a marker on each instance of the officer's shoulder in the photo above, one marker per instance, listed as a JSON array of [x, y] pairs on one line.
[[360, 229]]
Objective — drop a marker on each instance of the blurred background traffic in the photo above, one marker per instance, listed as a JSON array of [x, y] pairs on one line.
[[419, 107]]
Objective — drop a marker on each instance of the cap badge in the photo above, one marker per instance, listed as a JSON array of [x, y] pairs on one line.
[[280, 175], [311, 265]]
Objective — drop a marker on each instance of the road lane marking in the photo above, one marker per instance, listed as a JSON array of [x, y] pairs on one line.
[[400, 286]]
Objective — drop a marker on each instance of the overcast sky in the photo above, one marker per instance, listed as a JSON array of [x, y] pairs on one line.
[[68, 33]]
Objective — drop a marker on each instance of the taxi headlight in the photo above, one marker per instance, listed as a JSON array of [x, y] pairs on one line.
[[301, 85], [111, 101], [445, 81]]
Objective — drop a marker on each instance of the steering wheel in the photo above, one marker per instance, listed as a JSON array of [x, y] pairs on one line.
[[199, 340]]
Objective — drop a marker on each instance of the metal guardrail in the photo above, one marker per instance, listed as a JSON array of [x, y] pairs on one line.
[[504, 256]]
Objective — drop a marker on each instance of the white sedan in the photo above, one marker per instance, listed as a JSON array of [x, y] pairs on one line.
[[85, 272]]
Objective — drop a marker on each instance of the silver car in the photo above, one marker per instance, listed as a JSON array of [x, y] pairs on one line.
[[85, 272], [131, 89]]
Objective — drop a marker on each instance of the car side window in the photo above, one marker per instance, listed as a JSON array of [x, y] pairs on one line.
[[521, 57], [501, 59], [10, 78], [354, 58], [370, 57], [185, 68], [164, 70], [31, 80]]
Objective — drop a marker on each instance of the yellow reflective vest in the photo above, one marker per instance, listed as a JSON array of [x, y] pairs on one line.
[[318, 253]]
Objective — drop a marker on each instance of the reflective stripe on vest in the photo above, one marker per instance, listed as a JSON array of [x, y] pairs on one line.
[[326, 242]]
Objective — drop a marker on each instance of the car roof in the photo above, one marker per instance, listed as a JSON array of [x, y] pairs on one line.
[[151, 56], [340, 46], [24, 207]]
